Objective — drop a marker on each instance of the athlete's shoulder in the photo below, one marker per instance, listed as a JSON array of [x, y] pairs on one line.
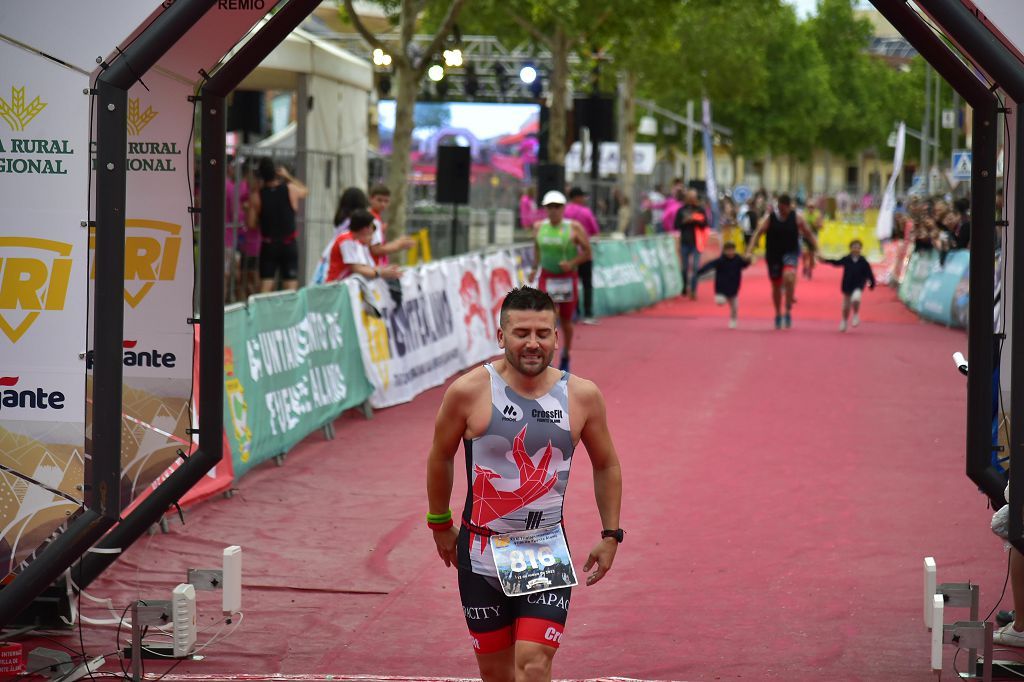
[[584, 390], [469, 383]]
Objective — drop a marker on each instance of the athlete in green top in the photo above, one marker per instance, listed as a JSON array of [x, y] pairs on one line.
[[815, 220], [561, 246]]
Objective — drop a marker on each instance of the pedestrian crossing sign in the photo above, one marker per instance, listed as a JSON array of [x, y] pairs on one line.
[[961, 165]]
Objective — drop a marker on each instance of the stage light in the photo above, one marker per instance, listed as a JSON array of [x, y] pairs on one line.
[[528, 74], [381, 58], [435, 72], [453, 58]]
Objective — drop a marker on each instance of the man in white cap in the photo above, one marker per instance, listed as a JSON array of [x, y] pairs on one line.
[[561, 247]]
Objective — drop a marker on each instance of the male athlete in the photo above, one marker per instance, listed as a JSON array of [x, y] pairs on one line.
[[561, 247], [519, 420], [782, 230]]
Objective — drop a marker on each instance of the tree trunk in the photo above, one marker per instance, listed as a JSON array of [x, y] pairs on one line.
[[627, 145], [398, 172], [559, 94]]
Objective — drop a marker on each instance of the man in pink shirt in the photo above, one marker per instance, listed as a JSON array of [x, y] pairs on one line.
[[577, 210]]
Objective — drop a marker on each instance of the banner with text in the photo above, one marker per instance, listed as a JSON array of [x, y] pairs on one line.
[[291, 364], [158, 283], [44, 152], [633, 273]]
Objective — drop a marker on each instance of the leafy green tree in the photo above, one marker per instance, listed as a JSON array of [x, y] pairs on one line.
[[410, 68], [862, 117]]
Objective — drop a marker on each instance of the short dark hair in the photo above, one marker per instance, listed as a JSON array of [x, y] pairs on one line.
[[525, 298], [359, 219], [576, 192], [728, 245], [857, 242], [267, 171], [784, 200], [380, 189]]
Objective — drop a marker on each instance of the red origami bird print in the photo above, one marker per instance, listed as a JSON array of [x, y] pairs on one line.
[[489, 503]]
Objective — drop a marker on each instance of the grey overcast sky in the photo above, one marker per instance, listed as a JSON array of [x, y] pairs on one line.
[[805, 7]]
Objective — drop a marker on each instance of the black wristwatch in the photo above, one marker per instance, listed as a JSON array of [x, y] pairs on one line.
[[618, 534]]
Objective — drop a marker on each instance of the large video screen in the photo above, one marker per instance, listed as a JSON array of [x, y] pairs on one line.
[[502, 139]]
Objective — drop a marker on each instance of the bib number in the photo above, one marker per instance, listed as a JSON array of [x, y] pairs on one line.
[[560, 289], [533, 561]]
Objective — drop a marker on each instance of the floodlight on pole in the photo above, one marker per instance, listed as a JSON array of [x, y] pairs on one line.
[[528, 74], [435, 72]]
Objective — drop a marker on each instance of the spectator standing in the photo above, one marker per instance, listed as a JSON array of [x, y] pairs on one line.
[[272, 211], [381, 248], [529, 214], [577, 210], [691, 223], [351, 199], [815, 221]]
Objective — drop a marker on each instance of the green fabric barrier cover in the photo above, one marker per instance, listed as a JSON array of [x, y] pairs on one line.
[[634, 273], [292, 364]]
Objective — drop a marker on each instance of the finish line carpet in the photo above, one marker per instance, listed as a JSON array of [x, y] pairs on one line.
[[781, 490]]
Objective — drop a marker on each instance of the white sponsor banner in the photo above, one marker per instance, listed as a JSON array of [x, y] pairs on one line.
[[644, 157], [411, 347], [158, 278], [44, 165], [447, 322], [73, 31], [468, 291]]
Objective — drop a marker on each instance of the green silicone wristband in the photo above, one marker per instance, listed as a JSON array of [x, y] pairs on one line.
[[439, 518]]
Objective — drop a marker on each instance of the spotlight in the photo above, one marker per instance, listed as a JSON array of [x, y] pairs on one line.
[[381, 58], [453, 58], [528, 74], [435, 72]]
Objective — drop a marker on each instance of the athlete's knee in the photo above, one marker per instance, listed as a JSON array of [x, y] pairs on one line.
[[534, 665], [789, 276], [496, 672]]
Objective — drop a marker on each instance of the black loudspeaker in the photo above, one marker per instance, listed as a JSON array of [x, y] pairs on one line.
[[245, 112], [598, 115], [550, 176], [543, 133], [452, 175]]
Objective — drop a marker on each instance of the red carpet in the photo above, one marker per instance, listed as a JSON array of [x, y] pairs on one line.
[[781, 490]]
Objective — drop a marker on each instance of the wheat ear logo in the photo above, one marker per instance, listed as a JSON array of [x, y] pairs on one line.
[[16, 112], [138, 119]]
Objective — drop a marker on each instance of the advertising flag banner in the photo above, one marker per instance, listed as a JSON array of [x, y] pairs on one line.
[[886, 213], [709, 157], [44, 166], [503, 274]]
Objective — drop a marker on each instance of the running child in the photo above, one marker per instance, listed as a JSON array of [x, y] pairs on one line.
[[728, 272], [856, 273]]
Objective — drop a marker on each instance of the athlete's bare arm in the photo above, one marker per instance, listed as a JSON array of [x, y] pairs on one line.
[[761, 229], [255, 205], [808, 234], [588, 401], [582, 241], [453, 422]]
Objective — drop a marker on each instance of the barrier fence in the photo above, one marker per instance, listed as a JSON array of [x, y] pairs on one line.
[[938, 290], [294, 361]]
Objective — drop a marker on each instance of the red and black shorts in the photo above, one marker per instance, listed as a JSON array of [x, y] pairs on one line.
[[497, 622]]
